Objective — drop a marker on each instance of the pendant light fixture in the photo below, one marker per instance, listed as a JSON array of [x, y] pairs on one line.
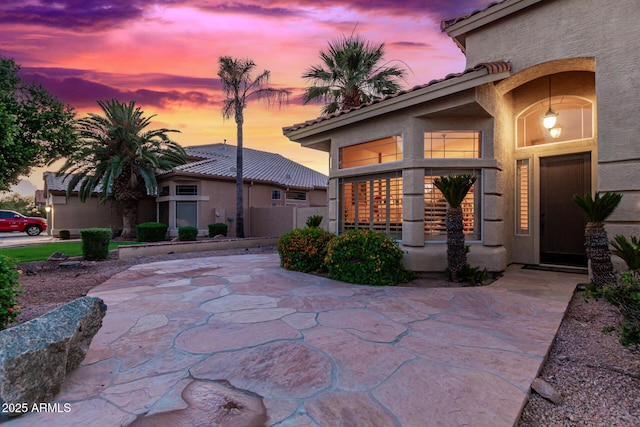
[[550, 118]]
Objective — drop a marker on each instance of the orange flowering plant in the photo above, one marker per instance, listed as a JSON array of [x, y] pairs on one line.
[[304, 249], [9, 290]]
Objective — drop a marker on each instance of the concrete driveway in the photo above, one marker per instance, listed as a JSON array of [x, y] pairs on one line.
[[238, 341]]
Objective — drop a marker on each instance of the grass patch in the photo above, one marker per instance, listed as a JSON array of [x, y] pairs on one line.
[[42, 252]]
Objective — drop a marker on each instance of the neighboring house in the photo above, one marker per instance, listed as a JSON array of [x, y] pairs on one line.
[[523, 57], [69, 213], [203, 192]]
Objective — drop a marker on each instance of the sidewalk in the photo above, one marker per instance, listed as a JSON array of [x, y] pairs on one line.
[[239, 341]]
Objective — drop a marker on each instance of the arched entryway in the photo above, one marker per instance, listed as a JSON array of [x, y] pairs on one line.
[[552, 164]]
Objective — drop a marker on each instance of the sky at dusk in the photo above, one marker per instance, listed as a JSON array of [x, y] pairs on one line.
[[164, 55]]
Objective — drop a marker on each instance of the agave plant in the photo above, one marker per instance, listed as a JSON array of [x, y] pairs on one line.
[[598, 209], [454, 189]]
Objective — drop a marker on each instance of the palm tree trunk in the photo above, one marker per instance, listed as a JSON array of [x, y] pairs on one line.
[[456, 251], [597, 249], [351, 98], [239, 179], [129, 218]]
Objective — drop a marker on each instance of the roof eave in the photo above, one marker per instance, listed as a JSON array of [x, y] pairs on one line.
[[458, 30], [410, 99]]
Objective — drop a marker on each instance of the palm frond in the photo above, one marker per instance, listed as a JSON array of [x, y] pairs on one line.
[[350, 74], [117, 141], [598, 208], [629, 251], [240, 86], [455, 188]]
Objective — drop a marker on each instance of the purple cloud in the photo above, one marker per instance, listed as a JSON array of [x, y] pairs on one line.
[[406, 44], [251, 9], [81, 92], [80, 15], [100, 15]]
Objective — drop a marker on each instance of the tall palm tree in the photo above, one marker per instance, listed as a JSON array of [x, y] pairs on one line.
[[118, 157], [598, 209], [350, 75], [239, 88], [454, 189]]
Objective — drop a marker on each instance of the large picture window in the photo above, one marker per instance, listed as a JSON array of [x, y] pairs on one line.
[[453, 144], [374, 203], [186, 214], [575, 122], [435, 208], [370, 153]]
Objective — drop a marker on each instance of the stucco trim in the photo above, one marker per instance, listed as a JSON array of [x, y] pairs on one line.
[[526, 75], [457, 28]]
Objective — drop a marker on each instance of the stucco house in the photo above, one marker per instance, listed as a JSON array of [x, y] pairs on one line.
[[278, 194], [577, 58]]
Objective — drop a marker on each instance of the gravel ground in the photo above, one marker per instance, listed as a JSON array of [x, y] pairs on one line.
[[598, 378]]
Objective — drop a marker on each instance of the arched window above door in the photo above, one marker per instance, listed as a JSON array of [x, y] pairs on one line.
[[575, 121]]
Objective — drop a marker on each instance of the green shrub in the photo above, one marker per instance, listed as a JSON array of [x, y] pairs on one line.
[[365, 257], [626, 296], [629, 251], [151, 232], [95, 243], [314, 221], [304, 249], [9, 291], [217, 229], [65, 234], [187, 233]]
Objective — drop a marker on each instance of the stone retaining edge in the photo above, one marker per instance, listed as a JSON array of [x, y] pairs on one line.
[[162, 248]]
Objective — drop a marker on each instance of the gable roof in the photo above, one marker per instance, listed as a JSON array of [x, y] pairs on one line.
[[480, 70], [219, 161]]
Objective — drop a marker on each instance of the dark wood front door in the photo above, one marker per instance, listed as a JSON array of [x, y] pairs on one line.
[[561, 220]]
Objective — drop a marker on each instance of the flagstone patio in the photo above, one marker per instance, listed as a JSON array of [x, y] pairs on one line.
[[238, 341]]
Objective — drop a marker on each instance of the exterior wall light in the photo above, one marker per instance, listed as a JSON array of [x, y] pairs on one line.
[[555, 132], [47, 209], [550, 119]]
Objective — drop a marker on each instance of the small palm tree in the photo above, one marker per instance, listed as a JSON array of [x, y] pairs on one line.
[[350, 75], [454, 189], [118, 157], [598, 209], [239, 87]]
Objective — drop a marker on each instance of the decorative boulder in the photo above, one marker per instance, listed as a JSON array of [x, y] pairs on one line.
[[35, 356]]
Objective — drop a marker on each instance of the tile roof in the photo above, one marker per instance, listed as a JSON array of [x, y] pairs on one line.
[[59, 183], [219, 160], [490, 67], [448, 22]]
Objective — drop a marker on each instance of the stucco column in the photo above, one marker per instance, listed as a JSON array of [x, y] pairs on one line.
[[494, 221], [413, 207], [413, 141], [332, 208]]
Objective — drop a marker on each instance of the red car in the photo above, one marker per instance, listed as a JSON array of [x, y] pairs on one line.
[[13, 221]]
